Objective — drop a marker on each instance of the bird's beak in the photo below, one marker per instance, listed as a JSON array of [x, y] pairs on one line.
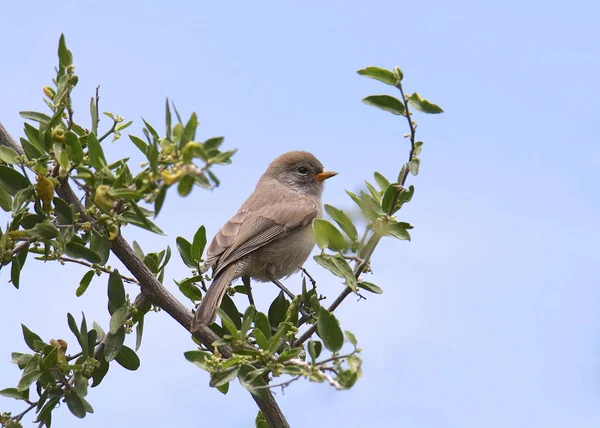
[[322, 176]]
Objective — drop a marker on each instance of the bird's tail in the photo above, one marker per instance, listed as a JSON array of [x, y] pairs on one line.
[[207, 311]]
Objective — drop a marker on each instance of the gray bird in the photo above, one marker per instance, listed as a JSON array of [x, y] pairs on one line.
[[271, 235]]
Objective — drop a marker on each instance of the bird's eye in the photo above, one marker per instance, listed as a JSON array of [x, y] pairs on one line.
[[302, 170]]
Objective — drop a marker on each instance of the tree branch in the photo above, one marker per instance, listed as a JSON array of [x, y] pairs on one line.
[[154, 290]]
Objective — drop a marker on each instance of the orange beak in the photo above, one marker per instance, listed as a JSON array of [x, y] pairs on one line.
[[322, 176]]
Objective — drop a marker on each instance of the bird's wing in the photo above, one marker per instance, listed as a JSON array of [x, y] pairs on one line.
[[247, 231]]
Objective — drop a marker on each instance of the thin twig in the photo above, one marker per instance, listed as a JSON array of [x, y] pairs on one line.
[[20, 416], [246, 281], [110, 131], [97, 267], [300, 363], [310, 278], [412, 133], [283, 385]]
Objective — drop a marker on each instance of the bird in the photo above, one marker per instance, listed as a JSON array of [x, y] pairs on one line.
[[271, 235]]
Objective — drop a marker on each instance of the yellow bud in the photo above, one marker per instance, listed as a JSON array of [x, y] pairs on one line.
[[45, 190], [49, 92], [102, 198], [58, 134], [171, 177]]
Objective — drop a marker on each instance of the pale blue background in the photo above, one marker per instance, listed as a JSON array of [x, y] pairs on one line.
[[490, 317]]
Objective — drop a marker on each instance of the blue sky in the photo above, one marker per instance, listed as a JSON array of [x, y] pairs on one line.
[[490, 316]]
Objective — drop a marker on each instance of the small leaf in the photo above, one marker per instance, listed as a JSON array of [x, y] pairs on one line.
[[261, 322], [75, 404], [381, 74], [198, 244], [128, 359], [414, 165], [95, 152], [44, 230], [400, 230], [417, 101], [118, 319], [382, 182], [13, 393], [328, 236], [12, 180], [278, 310], [418, 148], [385, 102], [36, 116], [314, 349], [222, 377], [351, 337], [160, 199], [139, 143], [78, 251], [185, 186], [100, 372], [101, 246], [32, 340], [185, 250], [63, 211], [198, 357], [64, 55], [116, 292], [28, 378], [5, 200], [74, 147], [247, 321], [139, 331], [113, 344], [338, 266], [370, 287], [228, 323], [329, 330], [84, 283], [343, 221], [8, 155]]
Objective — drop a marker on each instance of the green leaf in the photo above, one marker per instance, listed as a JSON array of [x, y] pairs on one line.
[[418, 148], [63, 211], [385, 102], [139, 143], [314, 349], [84, 283], [222, 377], [329, 330], [101, 246], [189, 290], [338, 266], [36, 116], [261, 340], [13, 393], [116, 292], [8, 155], [12, 180], [389, 202], [261, 322], [73, 327], [278, 310], [381, 74], [261, 421], [118, 319], [185, 186], [228, 323], [28, 378], [414, 165], [74, 147], [185, 250], [198, 244], [95, 152], [400, 230], [64, 55], [128, 359], [398, 73], [15, 272], [44, 230], [75, 404], [160, 199], [32, 340], [78, 251], [247, 321], [5, 200], [113, 344], [328, 236], [351, 337], [370, 287], [417, 101], [382, 182], [138, 219], [139, 331], [100, 372], [199, 358], [95, 118], [223, 389], [31, 150]]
